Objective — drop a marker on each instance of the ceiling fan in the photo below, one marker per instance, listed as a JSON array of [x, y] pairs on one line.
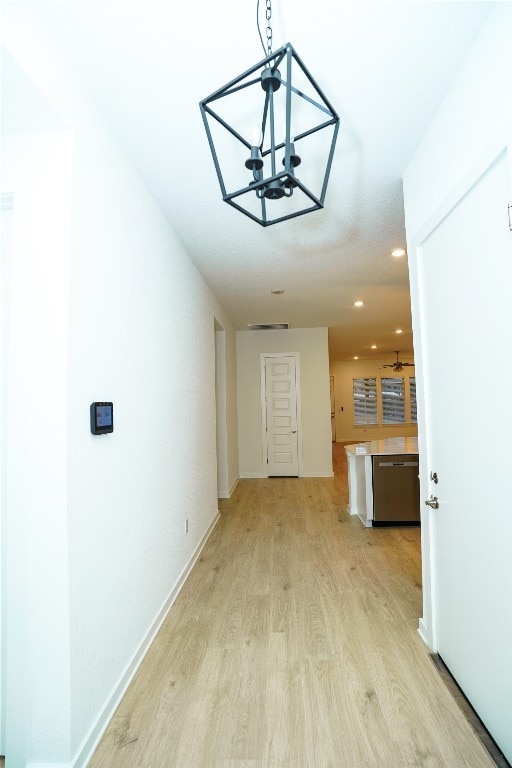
[[397, 365]]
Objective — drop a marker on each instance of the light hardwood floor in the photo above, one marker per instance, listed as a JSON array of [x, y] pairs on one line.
[[293, 644]]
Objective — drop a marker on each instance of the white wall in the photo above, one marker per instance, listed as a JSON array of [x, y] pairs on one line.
[[141, 333], [112, 309], [311, 344], [227, 424], [474, 110], [344, 372], [37, 170]]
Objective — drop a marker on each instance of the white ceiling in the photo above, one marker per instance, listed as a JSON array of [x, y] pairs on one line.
[[385, 67]]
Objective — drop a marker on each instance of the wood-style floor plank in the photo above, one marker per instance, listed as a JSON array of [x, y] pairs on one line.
[[293, 644]]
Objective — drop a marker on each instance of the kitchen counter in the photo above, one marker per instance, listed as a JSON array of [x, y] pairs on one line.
[[360, 480], [386, 447]]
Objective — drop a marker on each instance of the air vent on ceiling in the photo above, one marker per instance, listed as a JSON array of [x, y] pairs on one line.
[[268, 326]]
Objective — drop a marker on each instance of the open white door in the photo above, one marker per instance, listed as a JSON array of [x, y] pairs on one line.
[[5, 270], [462, 279], [280, 399]]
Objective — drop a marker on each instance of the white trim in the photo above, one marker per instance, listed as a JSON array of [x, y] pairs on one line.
[[91, 741], [299, 415], [220, 410], [49, 765], [423, 632], [296, 356], [233, 487], [490, 155], [6, 201], [252, 475], [263, 389], [228, 494], [368, 490]]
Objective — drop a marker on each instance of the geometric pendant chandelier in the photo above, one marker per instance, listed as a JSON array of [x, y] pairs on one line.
[[272, 134]]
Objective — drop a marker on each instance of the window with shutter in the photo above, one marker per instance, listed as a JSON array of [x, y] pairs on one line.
[[393, 401], [412, 390], [365, 401]]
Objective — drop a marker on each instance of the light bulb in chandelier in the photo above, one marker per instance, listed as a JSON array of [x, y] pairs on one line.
[[256, 136], [255, 162]]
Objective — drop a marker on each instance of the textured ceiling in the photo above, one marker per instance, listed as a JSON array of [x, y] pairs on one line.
[[385, 67]]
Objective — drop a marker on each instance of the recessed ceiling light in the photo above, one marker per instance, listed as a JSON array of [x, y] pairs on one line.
[[398, 330], [358, 303], [277, 290], [398, 252]]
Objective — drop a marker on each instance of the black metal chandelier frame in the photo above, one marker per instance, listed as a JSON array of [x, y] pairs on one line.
[[280, 183]]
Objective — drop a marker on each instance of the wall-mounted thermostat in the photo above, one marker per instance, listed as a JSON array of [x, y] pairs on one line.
[[102, 418]]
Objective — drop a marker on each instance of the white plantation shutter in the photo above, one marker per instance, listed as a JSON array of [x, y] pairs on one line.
[[393, 401], [365, 401], [412, 386]]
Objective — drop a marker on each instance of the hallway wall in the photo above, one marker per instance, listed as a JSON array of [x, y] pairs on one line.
[[311, 344], [135, 325]]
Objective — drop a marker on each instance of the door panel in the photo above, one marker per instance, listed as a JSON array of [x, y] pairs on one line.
[[281, 404], [465, 277]]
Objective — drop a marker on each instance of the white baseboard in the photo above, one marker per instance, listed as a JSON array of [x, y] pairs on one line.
[[425, 634], [48, 765], [233, 487], [86, 751], [228, 494]]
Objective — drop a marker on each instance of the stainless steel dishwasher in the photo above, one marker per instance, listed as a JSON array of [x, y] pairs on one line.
[[396, 490]]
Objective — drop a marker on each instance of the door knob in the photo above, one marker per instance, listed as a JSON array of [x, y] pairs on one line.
[[294, 431], [433, 502]]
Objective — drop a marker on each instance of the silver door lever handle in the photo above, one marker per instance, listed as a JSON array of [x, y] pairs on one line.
[[433, 502]]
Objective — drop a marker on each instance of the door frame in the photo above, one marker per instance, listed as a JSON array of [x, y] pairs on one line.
[[490, 155], [264, 446], [333, 407], [220, 411]]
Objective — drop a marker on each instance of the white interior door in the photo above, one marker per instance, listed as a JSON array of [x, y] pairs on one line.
[[5, 271], [281, 413], [464, 283]]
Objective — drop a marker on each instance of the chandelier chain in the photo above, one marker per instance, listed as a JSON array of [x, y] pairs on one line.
[[268, 16]]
